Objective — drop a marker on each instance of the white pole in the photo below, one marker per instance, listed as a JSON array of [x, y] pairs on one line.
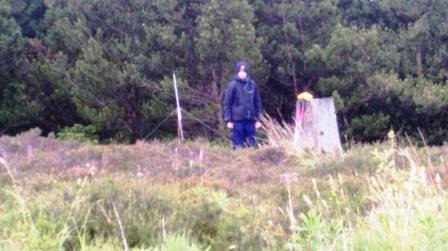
[[179, 113]]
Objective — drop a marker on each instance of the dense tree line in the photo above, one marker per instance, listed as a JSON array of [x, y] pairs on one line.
[[104, 67]]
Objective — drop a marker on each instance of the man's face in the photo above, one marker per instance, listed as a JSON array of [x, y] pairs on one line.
[[242, 74]]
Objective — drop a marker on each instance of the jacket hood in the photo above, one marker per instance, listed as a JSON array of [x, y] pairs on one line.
[[239, 64], [237, 68]]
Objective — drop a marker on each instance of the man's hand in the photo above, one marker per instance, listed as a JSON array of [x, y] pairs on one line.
[[230, 125], [257, 124]]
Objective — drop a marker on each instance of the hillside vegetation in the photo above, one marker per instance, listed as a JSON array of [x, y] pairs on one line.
[[66, 195]]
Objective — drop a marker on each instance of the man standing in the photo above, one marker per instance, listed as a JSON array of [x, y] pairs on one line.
[[242, 108]]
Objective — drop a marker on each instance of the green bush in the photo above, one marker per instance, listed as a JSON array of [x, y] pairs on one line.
[[80, 133]]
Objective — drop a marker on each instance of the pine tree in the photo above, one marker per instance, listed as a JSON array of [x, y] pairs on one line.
[[13, 91], [226, 35]]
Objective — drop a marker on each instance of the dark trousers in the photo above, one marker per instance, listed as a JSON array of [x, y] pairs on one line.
[[244, 134]]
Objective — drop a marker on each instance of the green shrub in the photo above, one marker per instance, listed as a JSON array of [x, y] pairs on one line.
[[80, 133]]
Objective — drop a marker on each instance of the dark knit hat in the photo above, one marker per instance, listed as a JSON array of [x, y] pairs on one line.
[[239, 64]]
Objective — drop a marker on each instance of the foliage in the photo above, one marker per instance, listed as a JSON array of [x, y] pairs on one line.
[[109, 63], [193, 196], [79, 133]]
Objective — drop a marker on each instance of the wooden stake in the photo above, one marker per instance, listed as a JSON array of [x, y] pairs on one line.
[[180, 131]]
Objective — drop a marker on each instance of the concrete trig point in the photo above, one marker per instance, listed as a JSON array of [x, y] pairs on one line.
[[316, 126]]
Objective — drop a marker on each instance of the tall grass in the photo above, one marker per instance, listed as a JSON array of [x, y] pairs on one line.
[[408, 210], [27, 227], [282, 134], [154, 196]]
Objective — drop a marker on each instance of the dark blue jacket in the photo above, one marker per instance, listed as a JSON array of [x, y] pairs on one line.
[[242, 101]]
